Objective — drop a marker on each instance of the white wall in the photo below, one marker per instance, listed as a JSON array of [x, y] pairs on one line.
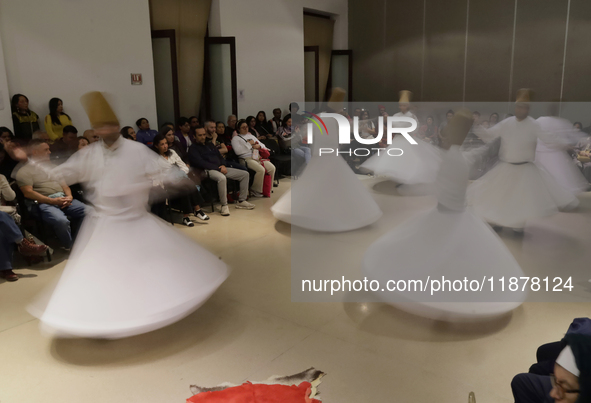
[[65, 48], [5, 118], [270, 47]]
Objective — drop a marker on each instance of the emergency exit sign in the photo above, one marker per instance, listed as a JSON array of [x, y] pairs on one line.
[[136, 79]]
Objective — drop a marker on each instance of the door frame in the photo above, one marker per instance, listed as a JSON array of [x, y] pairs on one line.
[[316, 50], [349, 53], [171, 34], [217, 40]]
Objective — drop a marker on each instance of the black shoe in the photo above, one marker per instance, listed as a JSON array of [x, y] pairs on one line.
[[187, 221], [201, 215]]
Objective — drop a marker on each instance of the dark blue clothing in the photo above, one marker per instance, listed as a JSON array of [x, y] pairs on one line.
[[205, 156], [9, 234], [146, 136]]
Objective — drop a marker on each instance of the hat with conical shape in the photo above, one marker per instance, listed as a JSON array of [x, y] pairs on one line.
[[523, 95], [458, 127], [98, 110], [404, 97]]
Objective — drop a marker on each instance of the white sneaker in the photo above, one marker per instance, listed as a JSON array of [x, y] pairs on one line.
[[254, 193], [245, 205], [225, 211]]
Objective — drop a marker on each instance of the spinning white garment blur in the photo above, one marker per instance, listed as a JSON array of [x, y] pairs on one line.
[[129, 272], [556, 161], [446, 241], [418, 164], [516, 189], [328, 196]]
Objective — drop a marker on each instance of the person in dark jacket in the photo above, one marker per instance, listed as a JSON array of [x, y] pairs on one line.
[[204, 155], [25, 121]]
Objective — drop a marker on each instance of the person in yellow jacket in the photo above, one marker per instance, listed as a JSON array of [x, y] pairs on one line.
[[56, 120]]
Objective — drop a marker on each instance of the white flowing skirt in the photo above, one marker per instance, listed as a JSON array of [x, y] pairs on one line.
[[438, 244], [562, 168], [509, 195], [419, 162], [126, 277]]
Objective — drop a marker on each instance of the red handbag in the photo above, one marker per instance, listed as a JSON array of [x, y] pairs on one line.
[[264, 153]]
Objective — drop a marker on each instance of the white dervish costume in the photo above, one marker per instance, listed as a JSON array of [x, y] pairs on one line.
[[516, 189], [129, 272], [557, 161], [448, 241], [328, 196], [418, 164]]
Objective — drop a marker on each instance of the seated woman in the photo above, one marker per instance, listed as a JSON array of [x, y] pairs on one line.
[[56, 120], [252, 129], [10, 235], [82, 142], [220, 129], [186, 203], [290, 138], [263, 127], [24, 120], [128, 133], [173, 143], [246, 146], [429, 132], [7, 163]]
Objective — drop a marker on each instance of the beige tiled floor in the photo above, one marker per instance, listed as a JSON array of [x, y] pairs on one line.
[[250, 329]]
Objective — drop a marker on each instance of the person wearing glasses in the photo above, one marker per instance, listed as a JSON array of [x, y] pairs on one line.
[[570, 382]]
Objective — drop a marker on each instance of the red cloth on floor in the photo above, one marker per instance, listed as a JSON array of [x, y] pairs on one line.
[[258, 393]]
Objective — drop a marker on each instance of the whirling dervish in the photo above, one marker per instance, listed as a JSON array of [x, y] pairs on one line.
[[556, 160], [328, 196], [516, 189], [448, 241], [418, 164], [129, 272]]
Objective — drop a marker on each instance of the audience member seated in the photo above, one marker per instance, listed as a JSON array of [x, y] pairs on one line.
[[276, 121], [25, 121], [172, 166], [194, 123], [448, 116], [63, 148], [251, 121], [582, 155], [246, 146], [493, 119], [578, 126], [10, 235], [183, 133], [8, 195], [206, 156], [169, 124], [56, 120], [231, 128], [211, 136], [290, 138], [91, 136], [7, 163], [263, 127], [220, 129], [367, 127], [145, 135], [173, 143], [128, 133], [429, 132], [82, 142], [568, 378], [55, 202]]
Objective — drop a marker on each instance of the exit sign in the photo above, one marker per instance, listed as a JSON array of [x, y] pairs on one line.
[[136, 79]]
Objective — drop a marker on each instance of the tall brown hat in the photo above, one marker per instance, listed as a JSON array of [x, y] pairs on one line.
[[524, 96], [404, 97], [98, 110], [457, 129]]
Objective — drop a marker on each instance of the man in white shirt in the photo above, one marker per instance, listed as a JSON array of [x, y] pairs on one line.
[[246, 146]]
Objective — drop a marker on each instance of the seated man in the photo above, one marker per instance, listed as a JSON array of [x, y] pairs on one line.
[[91, 136], [145, 134], [55, 199], [206, 156], [64, 147], [9, 236], [211, 136]]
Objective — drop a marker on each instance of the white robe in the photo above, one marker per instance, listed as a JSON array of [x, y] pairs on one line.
[[516, 189], [129, 272]]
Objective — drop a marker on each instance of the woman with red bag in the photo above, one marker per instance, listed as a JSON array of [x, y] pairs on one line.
[[255, 154]]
